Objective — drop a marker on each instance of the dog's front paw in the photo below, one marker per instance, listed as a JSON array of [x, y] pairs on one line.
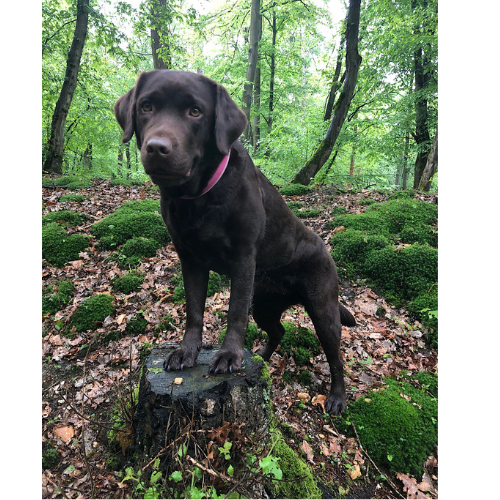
[[335, 405], [180, 358], [226, 360]]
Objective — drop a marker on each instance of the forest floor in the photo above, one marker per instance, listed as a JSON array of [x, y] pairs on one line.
[[84, 375]]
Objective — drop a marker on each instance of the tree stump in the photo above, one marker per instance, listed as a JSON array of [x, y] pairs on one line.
[[190, 402]]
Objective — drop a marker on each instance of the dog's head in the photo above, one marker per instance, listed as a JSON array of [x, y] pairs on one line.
[[184, 124]]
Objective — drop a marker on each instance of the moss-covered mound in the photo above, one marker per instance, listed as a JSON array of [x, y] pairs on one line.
[[307, 213], [396, 425], [64, 217], [301, 343], [137, 325], [404, 220], [126, 182], [72, 197], [128, 282], [58, 247], [67, 182], [251, 335], [294, 190], [133, 219], [56, 297], [91, 312]]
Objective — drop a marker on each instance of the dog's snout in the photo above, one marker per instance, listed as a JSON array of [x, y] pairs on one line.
[[159, 146]]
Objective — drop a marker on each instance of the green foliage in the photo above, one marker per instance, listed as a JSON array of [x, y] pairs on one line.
[[298, 481], [305, 377], [295, 205], [72, 197], [307, 214], [351, 247], [140, 206], [140, 247], [251, 335], [403, 274], [294, 190], [390, 219], [67, 182], [128, 282], [428, 380], [53, 302], [64, 216], [91, 311], [50, 456], [424, 308], [396, 432], [403, 194], [127, 223], [301, 343], [58, 247], [137, 325], [126, 182]]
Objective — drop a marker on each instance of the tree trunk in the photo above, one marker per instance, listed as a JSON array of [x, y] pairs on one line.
[[253, 52], [353, 154], [406, 170], [272, 74], [430, 167], [256, 117], [162, 55], [55, 150], [422, 137], [336, 83], [353, 61]]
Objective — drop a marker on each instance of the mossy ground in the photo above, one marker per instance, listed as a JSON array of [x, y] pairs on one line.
[[128, 282], [67, 182], [396, 425], [58, 247], [56, 297], [294, 190], [91, 312], [64, 217]]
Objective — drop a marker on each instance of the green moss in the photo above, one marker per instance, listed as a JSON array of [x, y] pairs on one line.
[[64, 216], [72, 197], [91, 311], [125, 224], [404, 194], [428, 380], [301, 343], [112, 335], [295, 205], [366, 201], [126, 182], [294, 190], [140, 247], [216, 283], [351, 247], [140, 206], [128, 283], [137, 325], [305, 377], [58, 247], [424, 308], [403, 274], [336, 211], [50, 456], [397, 432], [251, 335], [166, 324], [53, 302], [298, 480], [307, 214], [67, 182]]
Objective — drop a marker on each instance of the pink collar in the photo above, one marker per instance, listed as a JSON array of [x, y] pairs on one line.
[[214, 180]]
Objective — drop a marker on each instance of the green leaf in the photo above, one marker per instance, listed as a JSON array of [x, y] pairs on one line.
[[176, 476], [230, 471]]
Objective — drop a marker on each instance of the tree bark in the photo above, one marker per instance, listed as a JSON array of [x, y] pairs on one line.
[[430, 167], [353, 62], [253, 53], [353, 153], [272, 74], [336, 83], [162, 55], [54, 154], [256, 117], [406, 170]]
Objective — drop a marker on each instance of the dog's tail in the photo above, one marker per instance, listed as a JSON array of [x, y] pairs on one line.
[[346, 318]]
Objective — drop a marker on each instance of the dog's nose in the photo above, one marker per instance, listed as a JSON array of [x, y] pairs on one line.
[[159, 146]]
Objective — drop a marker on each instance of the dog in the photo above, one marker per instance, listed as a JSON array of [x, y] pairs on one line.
[[224, 215]]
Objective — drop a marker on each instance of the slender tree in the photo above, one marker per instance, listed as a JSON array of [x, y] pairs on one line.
[[430, 167], [54, 154], [162, 55], [353, 62], [253, 54]]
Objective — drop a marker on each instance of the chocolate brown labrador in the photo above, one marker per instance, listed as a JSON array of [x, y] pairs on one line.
[[224, 215]]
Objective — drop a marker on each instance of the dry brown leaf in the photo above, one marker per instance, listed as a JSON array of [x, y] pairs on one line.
[[64, 432], [411, 487], [304, 397], [319, 400], [306, 448], [356, 472]]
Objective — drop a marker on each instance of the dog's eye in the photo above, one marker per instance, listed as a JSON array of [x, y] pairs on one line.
[[195, 112], [147, 106]]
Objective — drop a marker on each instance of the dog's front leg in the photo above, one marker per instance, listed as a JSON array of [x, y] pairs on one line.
[[195, 285], [230, 355]]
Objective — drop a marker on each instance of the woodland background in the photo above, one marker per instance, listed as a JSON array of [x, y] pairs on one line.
[[359, 91], [284, 62]]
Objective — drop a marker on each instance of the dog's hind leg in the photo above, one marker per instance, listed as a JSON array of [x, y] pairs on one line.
[[267, 310]]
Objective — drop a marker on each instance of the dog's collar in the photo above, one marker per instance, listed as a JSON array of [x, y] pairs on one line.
[[214, 180]]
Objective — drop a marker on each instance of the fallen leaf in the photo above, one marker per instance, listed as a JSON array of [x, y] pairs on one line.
[[319, 400], [411, 487], [304, 397], [64, 432], [338, 229], [356, 472], [178, 381], [306, 448]]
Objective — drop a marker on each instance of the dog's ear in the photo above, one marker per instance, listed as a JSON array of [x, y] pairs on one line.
[[125, 114], [230, 121]]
